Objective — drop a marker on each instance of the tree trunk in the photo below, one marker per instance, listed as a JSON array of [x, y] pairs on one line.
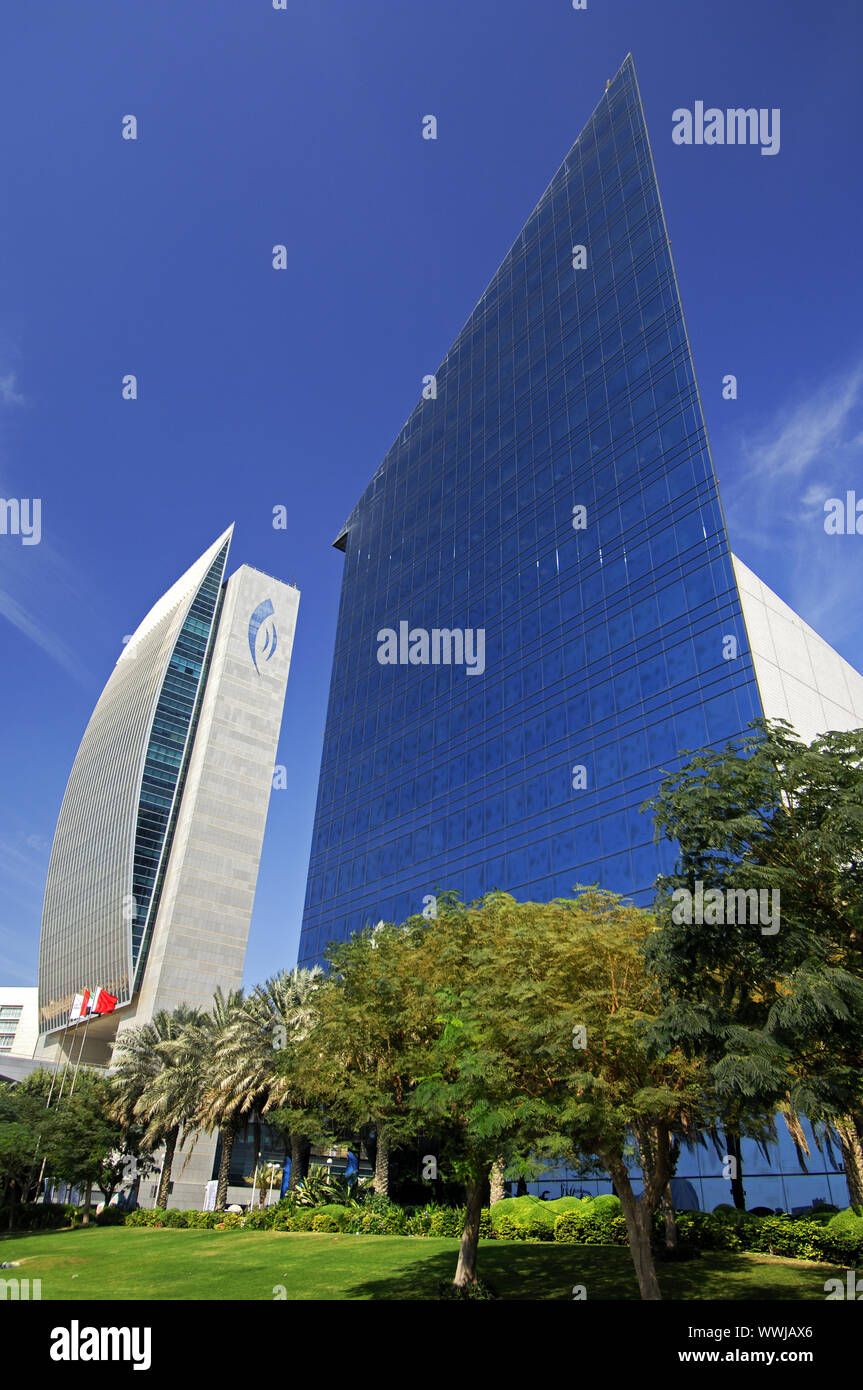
[[228, 1134], [466, 1268], [382, 1165], [738, 1196], [498, 1191], [672, 1235], [88, 1193], [852, 1158], [165, 1181], [637, 1212], [257, 1191], [300, 1149]]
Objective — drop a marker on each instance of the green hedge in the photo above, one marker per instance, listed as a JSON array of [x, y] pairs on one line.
[[39, 1216], [569, 1220], [590, 1228], [530, 1218]]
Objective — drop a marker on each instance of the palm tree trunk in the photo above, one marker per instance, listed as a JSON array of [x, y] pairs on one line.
[[300, 1149], [382, 1165], [165, 1181], [498, 1191], [228, 1134]]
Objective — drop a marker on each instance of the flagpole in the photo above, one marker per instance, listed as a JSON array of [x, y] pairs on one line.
[[57, 1068], [66, 1071], [87, 1022], [47, 1107]]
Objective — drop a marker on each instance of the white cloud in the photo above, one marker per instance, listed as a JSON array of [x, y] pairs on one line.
[[51, 645], [809, 450], [803, 431], [8, 394]]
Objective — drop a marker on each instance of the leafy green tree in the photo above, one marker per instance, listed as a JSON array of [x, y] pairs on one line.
[[85, 1144], [545, 1008], [374, 1015], [770, 830], [22, 1122]]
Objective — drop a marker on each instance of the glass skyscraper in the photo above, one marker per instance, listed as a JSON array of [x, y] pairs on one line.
[[553, 490]]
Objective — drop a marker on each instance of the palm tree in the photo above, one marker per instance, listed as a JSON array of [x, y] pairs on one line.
[[276, 1014], [202, 1054], [153, 1086]]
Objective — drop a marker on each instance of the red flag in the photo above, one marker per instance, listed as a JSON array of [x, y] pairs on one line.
[[105, 1003]]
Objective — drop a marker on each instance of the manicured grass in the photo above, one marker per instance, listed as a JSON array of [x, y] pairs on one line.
[[113, 1263]]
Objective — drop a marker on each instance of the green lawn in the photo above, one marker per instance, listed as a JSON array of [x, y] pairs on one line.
[[113, 1263]]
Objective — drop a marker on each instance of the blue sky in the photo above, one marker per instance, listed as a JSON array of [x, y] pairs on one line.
[[259, 387]]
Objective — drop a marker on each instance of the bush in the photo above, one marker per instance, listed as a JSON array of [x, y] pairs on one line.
[[524, 1218], [590, 1228], [261, 1219], [839, 1241], [778, 1235], [39, 1216], [709, 1231], [140, 1217], [175, 1219], [334, 1218], [324, 1222], [845, 1223], [607, 1204], [447, 1221], [111, 1216]]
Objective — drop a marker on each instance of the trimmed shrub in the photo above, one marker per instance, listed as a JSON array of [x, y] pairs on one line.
[[606, 1204], [334, 1217], [324, 1222], [590, 1228], [524, 1218], [846, 1223]]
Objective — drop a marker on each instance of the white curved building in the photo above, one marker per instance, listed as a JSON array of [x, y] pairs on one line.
[[155, 857]]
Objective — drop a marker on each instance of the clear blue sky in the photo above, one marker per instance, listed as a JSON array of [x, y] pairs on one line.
[[260, 387]]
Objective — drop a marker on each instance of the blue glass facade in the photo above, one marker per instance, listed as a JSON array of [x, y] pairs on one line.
[[171, 736], [571, 386]]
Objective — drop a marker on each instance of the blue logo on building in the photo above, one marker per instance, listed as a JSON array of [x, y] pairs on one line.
[[263, 637]]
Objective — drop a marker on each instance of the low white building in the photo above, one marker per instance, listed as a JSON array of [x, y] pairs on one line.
[[19, 1020]]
